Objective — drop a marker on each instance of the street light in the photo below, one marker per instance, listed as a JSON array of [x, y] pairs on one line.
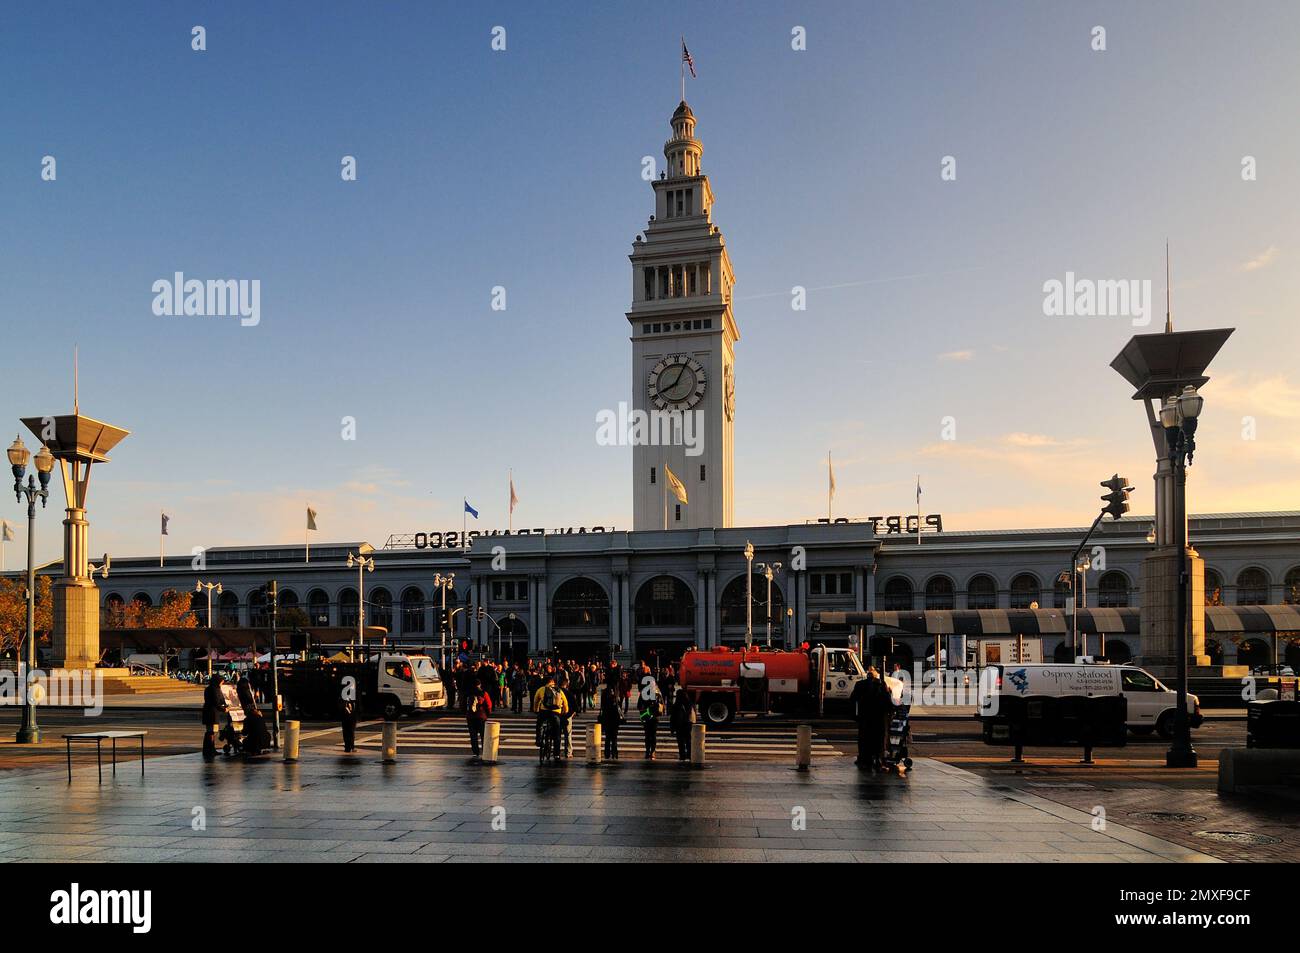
[[1178, 417], [769, 570], [199, 586], [363, 565], [749, 594], [30, 733], [443, 583]]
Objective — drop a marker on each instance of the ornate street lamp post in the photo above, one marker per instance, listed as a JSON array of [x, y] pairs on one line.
[[30, 732], [749, 594], [199, 586], [443, 583], [1178, 417], [769, 570], [363, 565]]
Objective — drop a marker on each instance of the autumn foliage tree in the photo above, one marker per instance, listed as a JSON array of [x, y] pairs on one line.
[[173, 613], [13, 612]]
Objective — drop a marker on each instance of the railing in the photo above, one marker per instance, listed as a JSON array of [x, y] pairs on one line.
[[140, 668]]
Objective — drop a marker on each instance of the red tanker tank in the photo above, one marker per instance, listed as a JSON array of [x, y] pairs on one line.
[[702, 670]]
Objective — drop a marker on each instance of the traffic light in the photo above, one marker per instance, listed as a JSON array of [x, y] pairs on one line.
[[1117, 499], [482, 613], [272, 591]]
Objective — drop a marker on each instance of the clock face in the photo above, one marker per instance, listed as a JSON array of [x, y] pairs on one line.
[[677, 382]]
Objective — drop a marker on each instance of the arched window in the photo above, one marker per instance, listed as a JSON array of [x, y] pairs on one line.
[[667, 601], [288, 599], [144, 599], [1118, 652], [228, 612], [580, 603], [114, 610], [318, 607], [412, 610], [1213, 588], [733, 602], [199, 606], [1291, 587], [1024, 591], [349, 612], [982, 593], [897, 595], [259, 614], [1061, 591], [1112, 590], [380, 608], [1252, 587], [939, 593]]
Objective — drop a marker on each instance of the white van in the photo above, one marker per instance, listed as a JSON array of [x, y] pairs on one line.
[[1150, 703]]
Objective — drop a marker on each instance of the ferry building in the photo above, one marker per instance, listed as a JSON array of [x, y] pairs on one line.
[[678, 577]]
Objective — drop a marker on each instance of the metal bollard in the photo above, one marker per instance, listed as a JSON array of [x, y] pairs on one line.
[[491, 742], [803, 748], [698, 733], [390, 742], [593, 743], [292, 730]]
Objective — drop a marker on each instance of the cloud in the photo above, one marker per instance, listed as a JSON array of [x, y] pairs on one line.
[[1262, 260], [957, 356], [1264, 397]]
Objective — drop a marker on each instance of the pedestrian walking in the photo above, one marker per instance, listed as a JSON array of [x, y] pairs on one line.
[[213, 705], [649, 706], [478, 705], [610, 719], [872, 707], [681, 719]]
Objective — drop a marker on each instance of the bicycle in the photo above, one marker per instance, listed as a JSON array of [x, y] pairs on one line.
[[548, 742]]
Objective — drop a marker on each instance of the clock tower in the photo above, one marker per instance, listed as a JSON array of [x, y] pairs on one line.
[[683, 347]]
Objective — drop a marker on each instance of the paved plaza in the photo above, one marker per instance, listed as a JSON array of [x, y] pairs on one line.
[[330, 808]]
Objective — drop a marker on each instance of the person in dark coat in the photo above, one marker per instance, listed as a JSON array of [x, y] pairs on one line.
[[649, 703], [213, 705], [872, 709], [348, 716], [610, 718], [478, 705], [681, 718], [244, 689], [256, 738]]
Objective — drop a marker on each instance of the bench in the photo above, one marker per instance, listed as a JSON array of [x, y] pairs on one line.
[[99, 737]]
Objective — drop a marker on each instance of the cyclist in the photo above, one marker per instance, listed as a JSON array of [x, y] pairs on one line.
[[551, 705]]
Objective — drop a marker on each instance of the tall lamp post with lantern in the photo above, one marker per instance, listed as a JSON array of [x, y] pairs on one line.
[[30, 733], [364, 564]]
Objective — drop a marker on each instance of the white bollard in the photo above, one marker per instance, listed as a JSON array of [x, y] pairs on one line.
[[593, 743], [803, 748], [390, 742], [292, 730], [491, 742], [698, 733]]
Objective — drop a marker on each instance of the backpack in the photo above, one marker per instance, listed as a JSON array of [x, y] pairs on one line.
[[550, 699]]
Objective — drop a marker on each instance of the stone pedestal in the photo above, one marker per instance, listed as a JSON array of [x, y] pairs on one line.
[[75, 639], [1159, 617]]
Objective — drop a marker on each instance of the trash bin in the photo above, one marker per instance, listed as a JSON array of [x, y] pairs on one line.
[[1273, 724]]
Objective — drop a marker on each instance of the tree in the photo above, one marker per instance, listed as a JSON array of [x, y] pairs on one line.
[[13, 611]]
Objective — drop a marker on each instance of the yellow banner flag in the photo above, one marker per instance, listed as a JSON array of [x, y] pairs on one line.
[[675, 485]]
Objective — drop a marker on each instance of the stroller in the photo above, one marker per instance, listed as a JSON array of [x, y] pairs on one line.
[[899, 738]]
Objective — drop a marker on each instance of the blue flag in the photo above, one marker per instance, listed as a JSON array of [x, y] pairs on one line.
[[470, 510]]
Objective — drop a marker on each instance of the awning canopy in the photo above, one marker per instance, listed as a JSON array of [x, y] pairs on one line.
[[1228, 620], [992, 622], [1219, 620], [225, 639]]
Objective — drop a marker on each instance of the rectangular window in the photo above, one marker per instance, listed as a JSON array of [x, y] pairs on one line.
[[680, 201], [645, 329], [649, 283], [678, 508], [496, 592], [815, 584], [846, 583], [691, 284], [701, 473], [690, 201], [652, 475]]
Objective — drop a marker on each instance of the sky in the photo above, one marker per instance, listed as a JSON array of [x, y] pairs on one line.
[[923, 348]]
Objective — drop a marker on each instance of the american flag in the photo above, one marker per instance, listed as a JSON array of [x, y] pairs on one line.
[[688, 59]]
